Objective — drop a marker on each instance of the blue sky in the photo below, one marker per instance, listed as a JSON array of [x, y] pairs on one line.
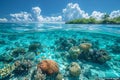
[[55, 7]]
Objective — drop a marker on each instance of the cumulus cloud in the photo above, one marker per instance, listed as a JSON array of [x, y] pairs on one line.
[[115, 14], [97, 15], [70, 12], [52, 19], [36, 10], [3, 20], [37, 15], [73, 11], [21, 17]]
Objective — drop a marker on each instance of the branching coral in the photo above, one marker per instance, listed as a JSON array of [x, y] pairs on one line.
[[38, 75], [48, 66], [7, 70], [22, 67]]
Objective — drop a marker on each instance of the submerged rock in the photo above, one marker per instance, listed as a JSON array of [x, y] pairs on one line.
[[74, 69]]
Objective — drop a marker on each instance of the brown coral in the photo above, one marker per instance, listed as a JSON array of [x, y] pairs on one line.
[[85, 46], [48, 66]]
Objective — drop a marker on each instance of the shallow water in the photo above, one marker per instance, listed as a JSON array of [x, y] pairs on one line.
[[49, 35]]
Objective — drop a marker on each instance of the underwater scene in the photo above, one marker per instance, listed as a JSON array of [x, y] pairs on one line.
[[58, 51]]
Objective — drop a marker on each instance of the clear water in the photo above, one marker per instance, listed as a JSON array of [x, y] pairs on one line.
[[21, 35]]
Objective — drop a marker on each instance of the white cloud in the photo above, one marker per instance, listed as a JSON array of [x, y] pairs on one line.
[[21, 17], [97, 15], [115, 14], [37, 15], [73, 11], [36, 10], [3, 20], [52, 19], [49, 19]]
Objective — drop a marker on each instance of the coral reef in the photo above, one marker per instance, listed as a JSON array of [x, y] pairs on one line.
[[73, 41], [34, 46], [59, 76], [65, 43], [90, 60], [18, 51], [102, 56], [74, 52], [29, 56], [6, 58], [98, 56], [85, 46], [22, 67], [38, 75], [74, 69], [48, 66], [6, 71]]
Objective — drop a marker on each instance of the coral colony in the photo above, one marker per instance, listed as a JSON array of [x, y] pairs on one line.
[[59, 55]]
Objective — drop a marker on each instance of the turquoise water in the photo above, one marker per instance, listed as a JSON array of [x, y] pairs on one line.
[[54, 41]]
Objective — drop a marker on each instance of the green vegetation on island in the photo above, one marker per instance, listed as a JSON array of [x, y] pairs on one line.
[[105, 20]]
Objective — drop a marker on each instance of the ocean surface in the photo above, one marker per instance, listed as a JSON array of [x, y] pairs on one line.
[[34, 42]]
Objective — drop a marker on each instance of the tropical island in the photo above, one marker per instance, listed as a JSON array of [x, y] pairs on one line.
[[105, 20]]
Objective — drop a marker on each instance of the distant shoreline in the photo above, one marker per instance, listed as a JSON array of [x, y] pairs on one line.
[[96, 23], [105, 20]]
